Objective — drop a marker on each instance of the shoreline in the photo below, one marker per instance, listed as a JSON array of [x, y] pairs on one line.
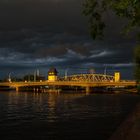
[[130, 127]]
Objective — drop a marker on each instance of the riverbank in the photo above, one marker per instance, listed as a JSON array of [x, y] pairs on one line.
[[130, 128]]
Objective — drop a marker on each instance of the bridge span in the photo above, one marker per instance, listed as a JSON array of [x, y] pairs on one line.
[[85, 84], [85, 81]]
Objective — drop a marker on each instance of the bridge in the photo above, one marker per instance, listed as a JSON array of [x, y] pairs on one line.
[[86, 81], [89, 78]]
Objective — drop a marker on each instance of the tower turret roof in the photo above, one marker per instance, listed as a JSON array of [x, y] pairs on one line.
[[52, 70]]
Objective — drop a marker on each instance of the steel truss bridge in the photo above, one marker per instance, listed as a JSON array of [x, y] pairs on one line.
[[89, 78], [82, 80]]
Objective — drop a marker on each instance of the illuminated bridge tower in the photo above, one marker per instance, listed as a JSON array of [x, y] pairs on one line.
[[52, 74], [117, 77]]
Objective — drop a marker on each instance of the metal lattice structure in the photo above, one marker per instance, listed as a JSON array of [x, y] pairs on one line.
[[89, 78]]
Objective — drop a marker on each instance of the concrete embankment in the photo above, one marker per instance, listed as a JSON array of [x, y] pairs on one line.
[[130, 128]]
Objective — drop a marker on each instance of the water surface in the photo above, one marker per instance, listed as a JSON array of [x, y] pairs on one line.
[[62, 116]]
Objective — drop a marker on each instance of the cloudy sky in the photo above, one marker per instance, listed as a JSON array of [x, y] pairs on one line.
[[38, 34]]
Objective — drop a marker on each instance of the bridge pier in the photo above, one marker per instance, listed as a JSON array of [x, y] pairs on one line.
[[17, 89], [88, 90]]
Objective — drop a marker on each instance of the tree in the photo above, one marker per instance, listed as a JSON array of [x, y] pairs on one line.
[[137, 62], [28, 77], [126, 9], [95, 10]]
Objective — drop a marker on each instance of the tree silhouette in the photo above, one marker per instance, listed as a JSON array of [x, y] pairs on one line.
[[126, 9]]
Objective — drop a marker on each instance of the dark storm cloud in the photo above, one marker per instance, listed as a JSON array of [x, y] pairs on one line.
[[32, 13], [43, 46], [42, 33]]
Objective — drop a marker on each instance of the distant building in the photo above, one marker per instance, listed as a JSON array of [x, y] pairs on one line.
[[52, 74]]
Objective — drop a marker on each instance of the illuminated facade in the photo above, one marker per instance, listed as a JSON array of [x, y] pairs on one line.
[[52, 74]]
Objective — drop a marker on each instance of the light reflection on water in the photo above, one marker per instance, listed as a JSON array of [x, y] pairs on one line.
[[62, 116]]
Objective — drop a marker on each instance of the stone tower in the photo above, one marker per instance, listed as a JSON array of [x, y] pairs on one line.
[[52, 74]]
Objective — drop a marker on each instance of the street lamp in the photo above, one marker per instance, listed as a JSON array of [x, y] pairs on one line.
[[66, 73], [105, 70], [9, 77], [35, 76]]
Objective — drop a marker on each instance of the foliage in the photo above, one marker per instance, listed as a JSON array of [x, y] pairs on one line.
[[96, 9], [31, 77], [28, 78], [137, 62]]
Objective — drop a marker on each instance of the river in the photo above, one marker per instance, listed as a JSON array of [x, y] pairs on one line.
[[41, 116]]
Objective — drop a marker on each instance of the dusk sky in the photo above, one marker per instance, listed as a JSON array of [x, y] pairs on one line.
[[38, 34]]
